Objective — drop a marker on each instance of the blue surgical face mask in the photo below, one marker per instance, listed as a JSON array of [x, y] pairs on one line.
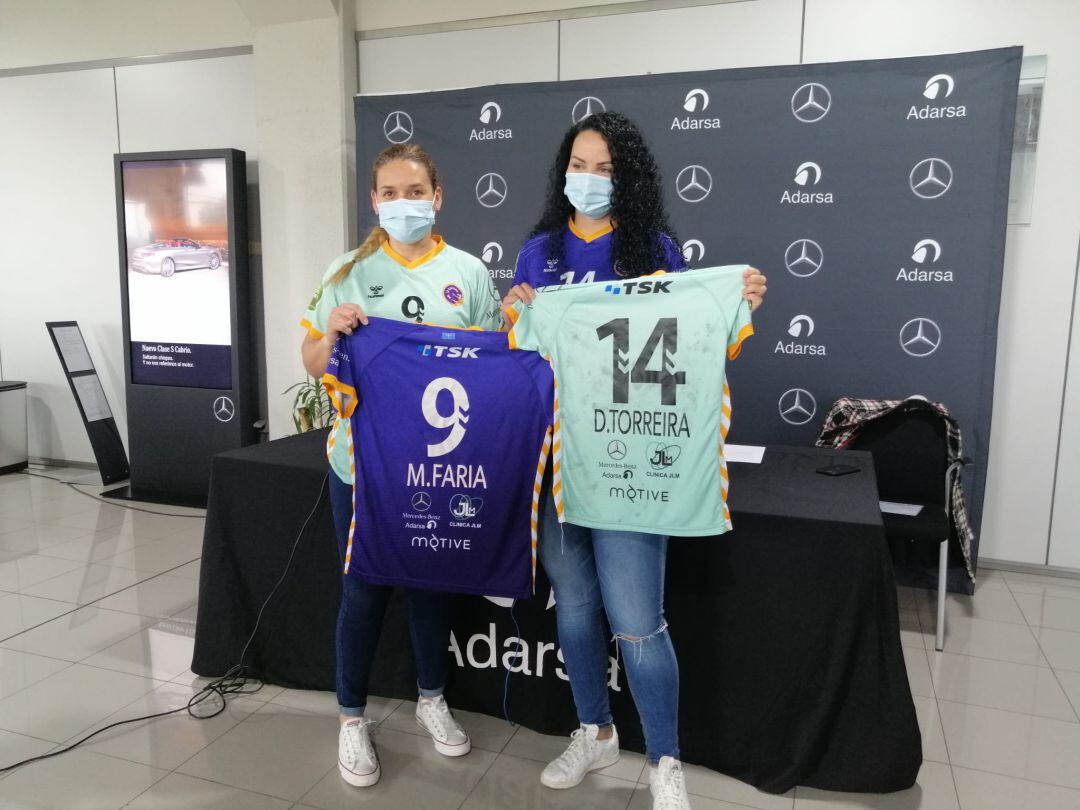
[[407, 221], [589, 193]]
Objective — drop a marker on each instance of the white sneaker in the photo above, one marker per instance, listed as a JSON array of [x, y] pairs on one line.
[[434, 717], [667, 785], [357, 761], [585, 753]]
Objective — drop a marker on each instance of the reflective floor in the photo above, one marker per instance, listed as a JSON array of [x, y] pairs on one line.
[[97, 619]]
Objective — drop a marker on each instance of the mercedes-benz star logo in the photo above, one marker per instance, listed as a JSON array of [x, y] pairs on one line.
[[693, 183], [421, 501], [930, 178], [804, 257], [224, 409], [811, 102], [398, 127], [586, 107], [617, 450], [920, 337], [491, 190], [797, 406]]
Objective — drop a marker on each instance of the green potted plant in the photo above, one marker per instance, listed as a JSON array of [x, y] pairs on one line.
[[311, 408]]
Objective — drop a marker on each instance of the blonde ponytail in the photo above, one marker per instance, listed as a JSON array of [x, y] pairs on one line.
[[374, 241]]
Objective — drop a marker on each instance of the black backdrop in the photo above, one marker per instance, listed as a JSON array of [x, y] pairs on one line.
[[873, 194]]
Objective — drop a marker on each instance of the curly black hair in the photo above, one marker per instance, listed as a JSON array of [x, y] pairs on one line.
[[637, 201]]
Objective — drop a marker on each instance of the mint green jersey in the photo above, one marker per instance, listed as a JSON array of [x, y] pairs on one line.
[[445, 287], [642, 407]]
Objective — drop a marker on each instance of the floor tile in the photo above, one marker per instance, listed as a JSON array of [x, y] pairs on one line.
[[1061, 647], [999, 685], [63, 782], [19, 612], [933, 790], [1056, 612], [279, 751], [987, 639], [486, 732], [86, 584], [190, 571], [161, 651], [94, 518], [933, 739], [911, 634], [19, 574], [992, 605], [1070, 682], [918, 672], [979, 790], [1017, 580], [1034, 748], [413, 775], [34, 539], [162, 596], [79, 634], [1042, 586], [515, 783], [19, 670], [157, 557], [99, 547], [148, 526], [542, 748], [60, 706], [166, 742], [17, 747], [177, 791]]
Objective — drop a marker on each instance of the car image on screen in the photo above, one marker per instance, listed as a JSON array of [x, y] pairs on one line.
[[170, 255]]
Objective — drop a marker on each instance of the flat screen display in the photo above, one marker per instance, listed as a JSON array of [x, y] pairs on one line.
[[177, 230]]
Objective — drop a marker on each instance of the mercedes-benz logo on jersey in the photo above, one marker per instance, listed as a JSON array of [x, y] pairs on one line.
[[693, 250], [804, 257], [492, 252], [585, 107], [935, 83], [926, 249], [491, 190], [800, 324], [920, 337], [421, 501], [224, 409], [797, 406], [696, 100], [490, 113], [930, 178], [811, 102], [693, 183], [808, 173], [616, 450], [398, 127]]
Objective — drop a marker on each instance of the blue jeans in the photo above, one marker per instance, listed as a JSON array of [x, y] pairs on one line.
[[360, 620], [621, 574]]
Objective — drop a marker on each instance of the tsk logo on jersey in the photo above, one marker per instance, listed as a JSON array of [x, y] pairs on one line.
[[453, 295], [925, 252], [492, 254], [638, 287], [463, 352], [463, 507], [693, 250], [937, 87], [697, 100], [811, 102], [801, 326], [490, 113], [398, 127], [930, 178], [807, 175]]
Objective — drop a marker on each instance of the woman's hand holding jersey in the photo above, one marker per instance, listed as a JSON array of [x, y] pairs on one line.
[[343, 320], [753, 287], [519, 292]]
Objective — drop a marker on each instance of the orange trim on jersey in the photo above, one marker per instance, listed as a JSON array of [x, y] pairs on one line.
[[412, 265], [736, 347], [335, 388], [514, 316], [589, 237], [315, 333]]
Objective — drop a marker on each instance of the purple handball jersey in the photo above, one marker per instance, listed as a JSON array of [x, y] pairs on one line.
[[586, 257], [450, 432]]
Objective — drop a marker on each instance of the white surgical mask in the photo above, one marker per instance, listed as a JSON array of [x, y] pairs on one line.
[[407, 221], [589, 193]]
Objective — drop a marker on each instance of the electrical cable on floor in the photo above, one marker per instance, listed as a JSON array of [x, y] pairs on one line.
[[233, 682], [75, 487]]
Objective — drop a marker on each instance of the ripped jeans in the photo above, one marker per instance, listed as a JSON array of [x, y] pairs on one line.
[[621, 574]]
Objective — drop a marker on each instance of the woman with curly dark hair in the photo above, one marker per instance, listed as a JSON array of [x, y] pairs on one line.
[[603, 220]]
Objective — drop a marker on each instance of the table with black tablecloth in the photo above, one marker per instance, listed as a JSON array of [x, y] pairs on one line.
[[787, 632]]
